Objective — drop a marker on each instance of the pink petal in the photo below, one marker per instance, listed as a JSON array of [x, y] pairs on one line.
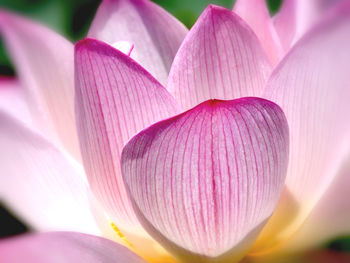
[[140, 243], [285, 22], [115, 98], [297, 16], [256, 14], [156, 34], [221, 58], [68, 247], [44, 63], [312, 86], [331, 216], [204, 182], [45, 188], [12, 100]]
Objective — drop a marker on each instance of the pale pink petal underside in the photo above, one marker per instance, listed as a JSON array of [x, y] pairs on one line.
[[68, 247], [38, 182], [256, 14], [115, 98], [221, 58], [44, 63], [204, 182], [155, 33], [298, 16], [331, 216], [12, 100], [312, 87]]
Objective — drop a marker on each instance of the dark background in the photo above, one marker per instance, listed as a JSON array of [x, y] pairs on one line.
[[72, 18]]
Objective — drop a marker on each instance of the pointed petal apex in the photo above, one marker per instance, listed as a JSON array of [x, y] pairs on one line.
[[220, 58]]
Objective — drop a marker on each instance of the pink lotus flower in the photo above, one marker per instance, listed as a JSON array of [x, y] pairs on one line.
[[178, 148]]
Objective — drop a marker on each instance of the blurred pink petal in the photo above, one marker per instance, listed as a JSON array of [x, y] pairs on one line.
[[203, 183], [285, 22], [311, 85], [155, 33], [46, 75], [12, 100], [39, 183], [221, 58], [67, 247], [256, 14], [331, 216], [115, 99], [297, 16]]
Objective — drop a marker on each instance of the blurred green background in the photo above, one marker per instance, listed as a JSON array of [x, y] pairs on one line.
[[72, 18]]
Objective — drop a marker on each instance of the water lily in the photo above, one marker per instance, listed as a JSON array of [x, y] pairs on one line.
[[231, 148]]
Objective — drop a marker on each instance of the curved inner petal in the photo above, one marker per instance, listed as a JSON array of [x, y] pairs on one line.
[[115, 99], [221, 58], [204, 182]]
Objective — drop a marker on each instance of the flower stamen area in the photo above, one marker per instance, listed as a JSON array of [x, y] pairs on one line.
[[121, 235]]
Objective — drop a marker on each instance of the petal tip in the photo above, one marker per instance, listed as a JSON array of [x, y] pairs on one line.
[[95, 45], [85, 43], [7, 19], [221, 103], [214, 9]]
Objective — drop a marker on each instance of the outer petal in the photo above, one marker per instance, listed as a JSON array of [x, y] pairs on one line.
[[141, 243], [330, 217], [312, 86], [297, 16], [44, 63], [68, 247], [256, 14], [115, 98], [156, 34], [12, 100], [221, 58], [39, 183], [204, 182]]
